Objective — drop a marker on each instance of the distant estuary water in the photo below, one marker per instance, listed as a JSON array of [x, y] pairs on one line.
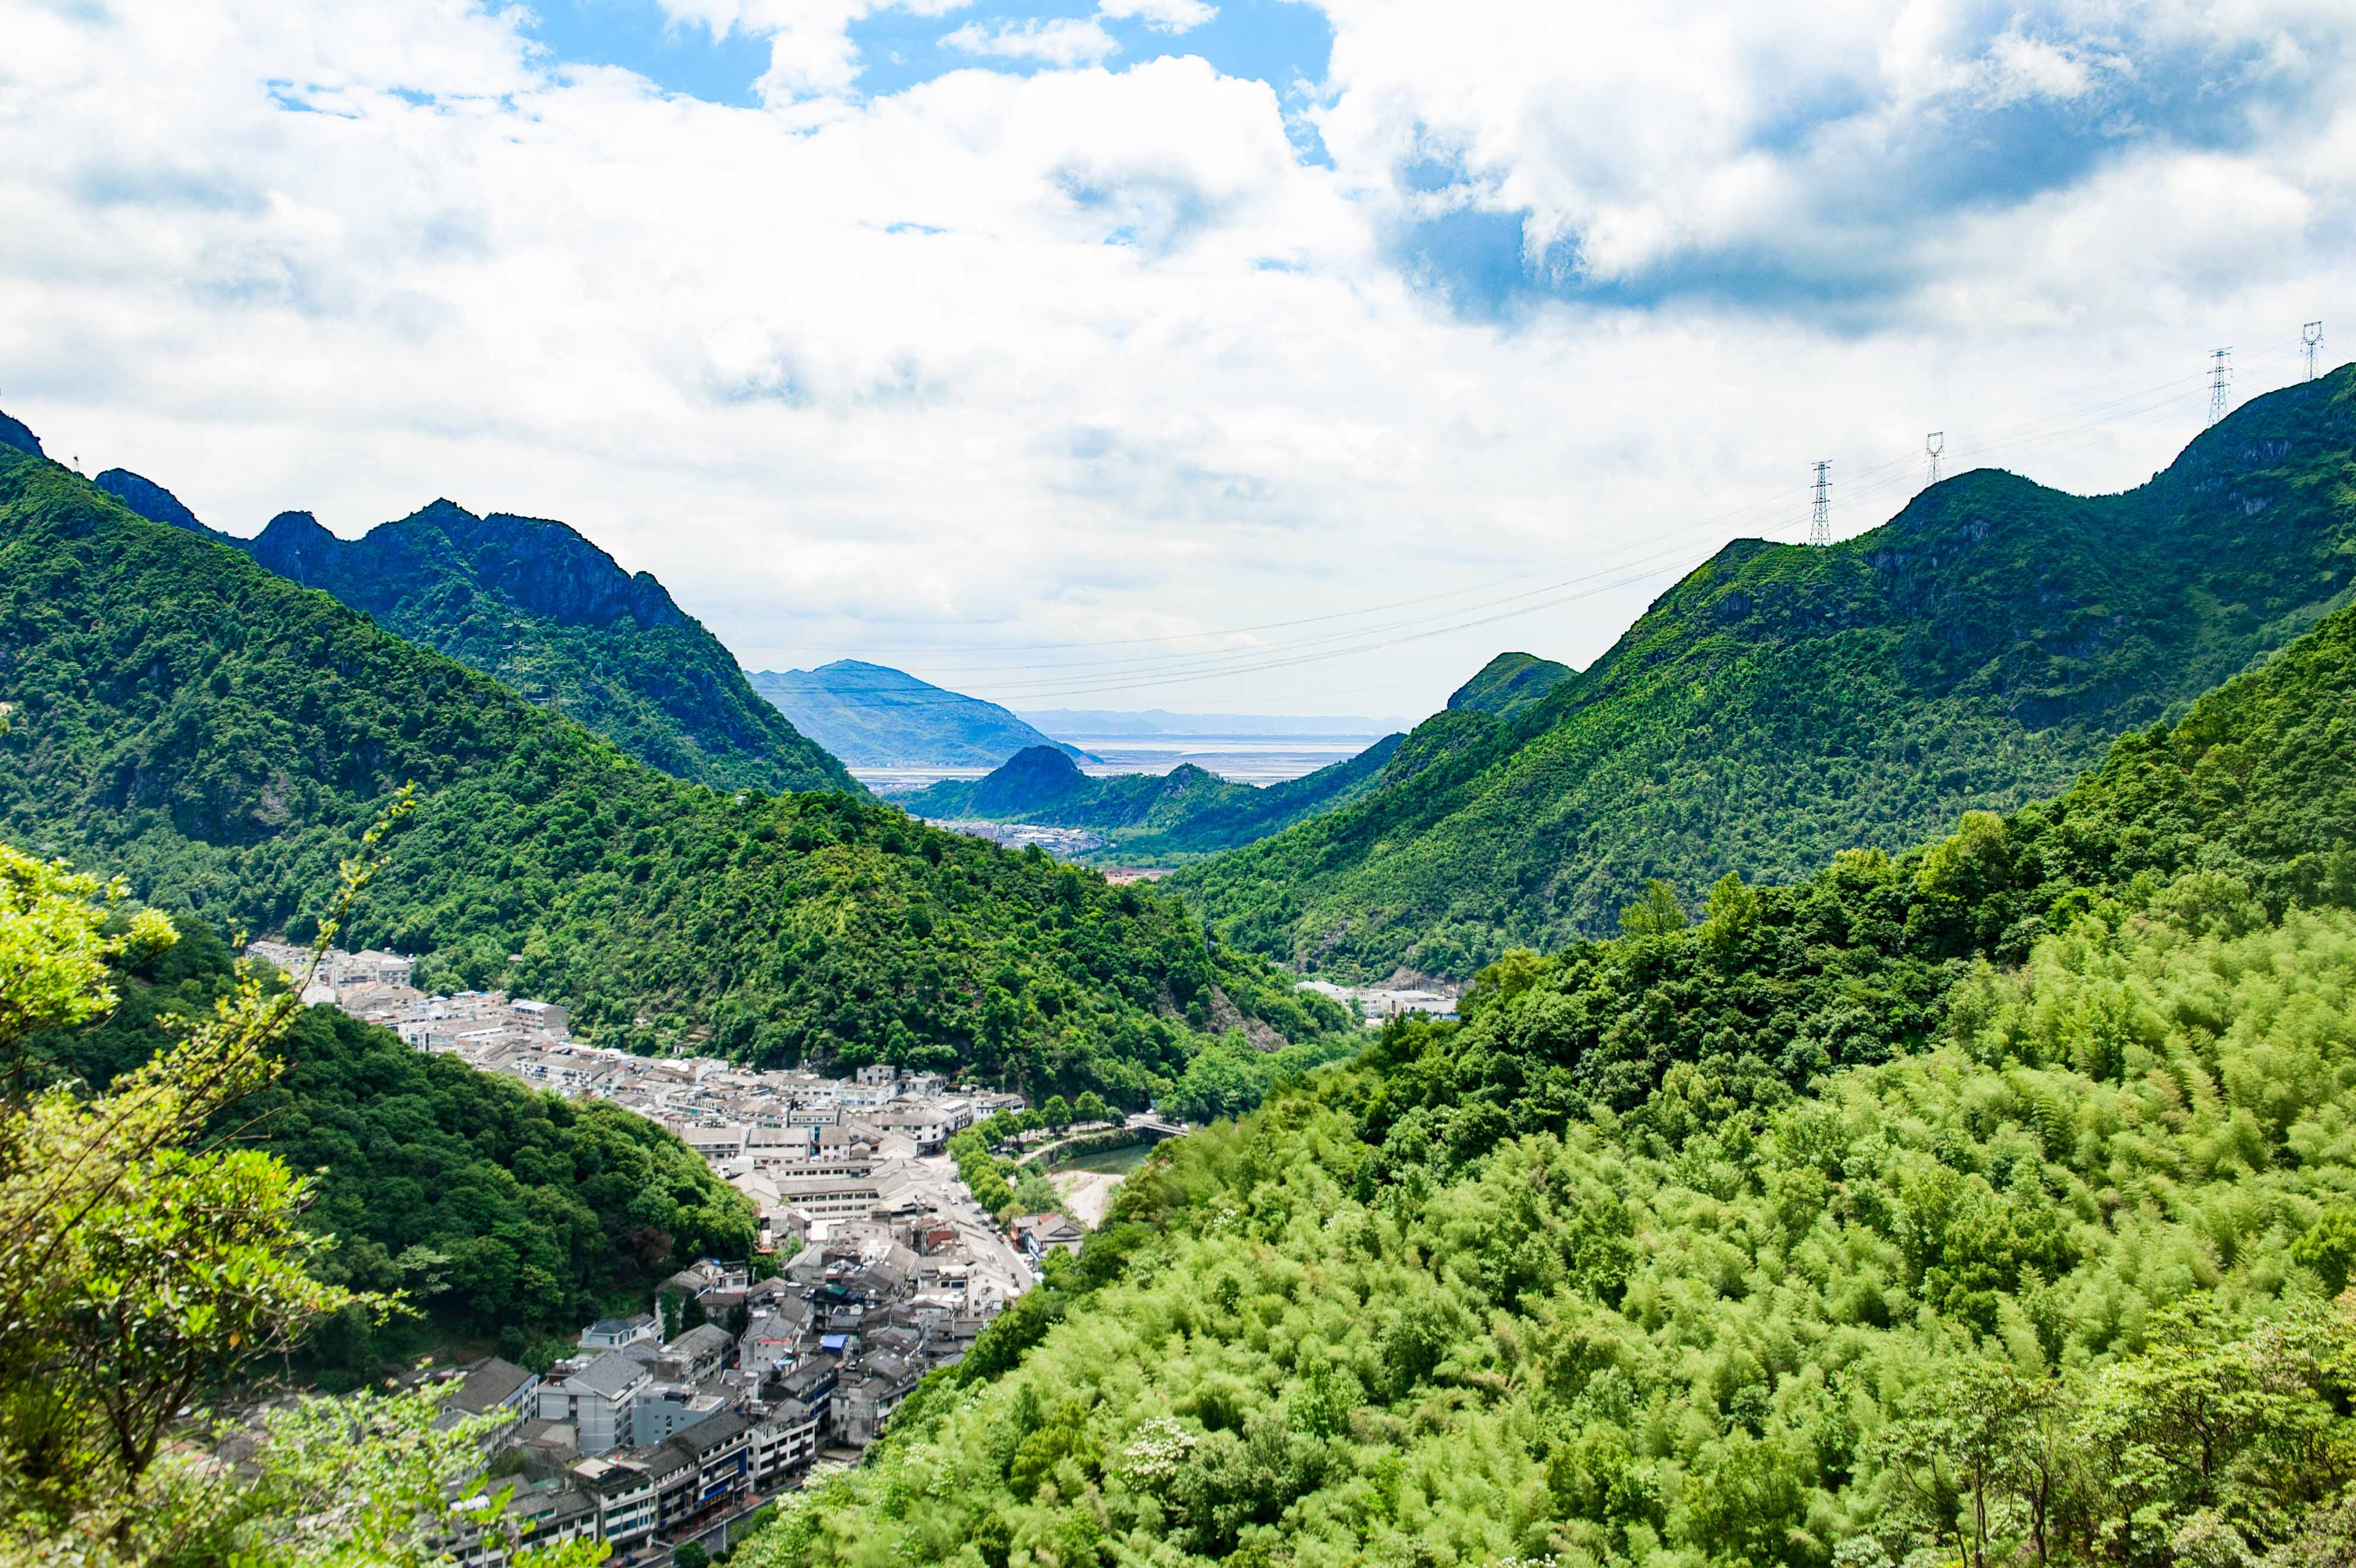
[[1248, 759]]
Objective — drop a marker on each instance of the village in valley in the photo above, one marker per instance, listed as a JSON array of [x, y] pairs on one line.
[[875, 1264]]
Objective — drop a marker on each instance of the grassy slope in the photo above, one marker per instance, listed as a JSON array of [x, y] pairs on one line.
[[1781, 703], [220, 734]]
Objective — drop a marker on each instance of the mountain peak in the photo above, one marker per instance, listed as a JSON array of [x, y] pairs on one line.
[[872, 715], [151, 500], [295, 544], [12, 433], [1509, 683]]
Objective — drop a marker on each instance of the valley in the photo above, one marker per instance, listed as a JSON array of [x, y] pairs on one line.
[[1177, 784], [895, 1120]]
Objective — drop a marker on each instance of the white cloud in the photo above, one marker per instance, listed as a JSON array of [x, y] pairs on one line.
[[941, 375], [1063, 40], [1811, 143], [1164, 15]]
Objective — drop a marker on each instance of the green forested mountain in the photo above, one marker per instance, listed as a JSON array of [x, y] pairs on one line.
[[1510, 682], [1151, 818], [501, 1212], [1983, 1205], [1784, 704], [536, 606], [873, 717], [221, 735]]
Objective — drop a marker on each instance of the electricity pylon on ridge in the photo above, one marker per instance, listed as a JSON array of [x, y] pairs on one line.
[[2221, 378], [1820, 517], [2311, 338], [1933, 445]]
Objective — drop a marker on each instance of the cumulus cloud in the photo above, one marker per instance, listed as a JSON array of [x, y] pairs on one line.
[[1012, 357], [1164, 15], [1062, 40], [1781, 152]]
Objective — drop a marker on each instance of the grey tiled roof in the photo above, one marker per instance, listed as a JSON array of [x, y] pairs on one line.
[[703, 1340], [487, 1384], [713, 1432], [610, 1374]]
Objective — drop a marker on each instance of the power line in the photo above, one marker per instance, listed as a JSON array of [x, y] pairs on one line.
[[2221, 377], [1820, 514], [1156, 664]]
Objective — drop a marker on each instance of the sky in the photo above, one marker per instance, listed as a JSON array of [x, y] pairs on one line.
[[1255, 356]]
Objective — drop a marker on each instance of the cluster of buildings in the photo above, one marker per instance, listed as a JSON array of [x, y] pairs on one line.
[[643, 1438], [1375, 1004], [807, 1151], [641, 1441]]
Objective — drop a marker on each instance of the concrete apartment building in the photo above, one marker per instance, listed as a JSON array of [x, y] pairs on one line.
[[596, 1399]]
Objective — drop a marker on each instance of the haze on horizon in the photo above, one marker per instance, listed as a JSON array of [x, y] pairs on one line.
[[1255, 356]]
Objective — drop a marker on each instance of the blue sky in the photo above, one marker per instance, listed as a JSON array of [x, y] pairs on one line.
[[1279, 42], [1243, 355]]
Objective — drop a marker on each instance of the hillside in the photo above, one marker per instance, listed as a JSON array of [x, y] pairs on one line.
[[533, 604], [505, 1213], [1781, 703], [1510, 682], [220, 736], [872, 716], [1805, 1236], [1151, 818]]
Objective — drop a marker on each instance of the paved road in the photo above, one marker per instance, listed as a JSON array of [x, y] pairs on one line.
[[1000, 1267]]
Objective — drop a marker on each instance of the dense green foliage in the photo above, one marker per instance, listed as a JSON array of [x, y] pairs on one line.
[[1230, 1075], [1781, 705], [1985, 1203], [1510, 682], [872, 716], [151, 1265], [220, 736], [982, 1174], [500, 1210], [1149, 819], [534, 605]]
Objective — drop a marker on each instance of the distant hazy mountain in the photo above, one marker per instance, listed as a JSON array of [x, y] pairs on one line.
[[1150, 817], [1099, 722], [535, 605], [873, 717]]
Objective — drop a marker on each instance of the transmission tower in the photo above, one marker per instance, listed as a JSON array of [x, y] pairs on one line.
[[1820, 520], [2221, 377], [1933, 445], [2311, 338]]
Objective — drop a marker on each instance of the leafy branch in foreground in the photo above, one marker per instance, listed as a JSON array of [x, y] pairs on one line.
[[143, 1266]]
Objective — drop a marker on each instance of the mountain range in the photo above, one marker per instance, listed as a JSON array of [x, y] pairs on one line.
[[537, 606], [1150, 819], [1782, 703], [1982, 1196], [221, 735], [1983, 1203], [874, 717]]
